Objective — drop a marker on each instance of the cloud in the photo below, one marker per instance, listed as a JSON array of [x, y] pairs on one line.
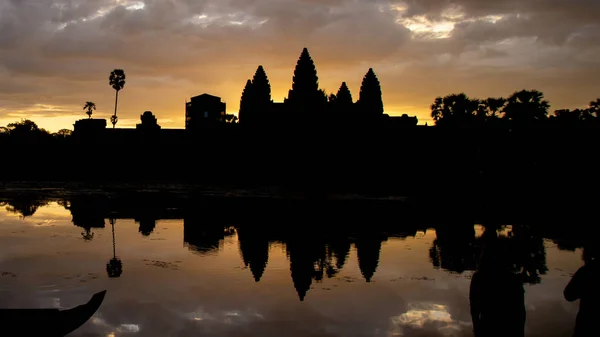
[[428, 319], [59, 53]]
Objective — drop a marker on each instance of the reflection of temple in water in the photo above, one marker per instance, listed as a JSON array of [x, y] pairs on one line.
[[88, 212], [254, 248], [147, 225], [338, 250], [306, 263], [368, 248], [454, 248], [203, 235], [314, 252], [457, 249]]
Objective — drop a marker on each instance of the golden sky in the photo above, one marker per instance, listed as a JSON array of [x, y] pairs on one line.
[[56, 55]]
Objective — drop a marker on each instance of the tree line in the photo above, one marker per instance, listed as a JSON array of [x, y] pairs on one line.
[[27, 131], [525, 108]]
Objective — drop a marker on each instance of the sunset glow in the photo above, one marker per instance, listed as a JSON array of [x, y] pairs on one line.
[[56, 55]]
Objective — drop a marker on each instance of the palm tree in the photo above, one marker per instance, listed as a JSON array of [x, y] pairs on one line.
[[114, 267], [117, 82], [493, 106], [89, 107], [455, 109], [87, 235], [526, 107]]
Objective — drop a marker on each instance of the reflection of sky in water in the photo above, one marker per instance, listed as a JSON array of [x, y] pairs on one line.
[[427, 315], [167, 289]]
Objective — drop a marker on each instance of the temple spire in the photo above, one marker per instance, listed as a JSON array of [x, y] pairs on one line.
[[370, 101], [261, 87]]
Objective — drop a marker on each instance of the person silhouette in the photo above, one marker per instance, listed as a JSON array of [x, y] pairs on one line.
[[496, 295], [583, 286]]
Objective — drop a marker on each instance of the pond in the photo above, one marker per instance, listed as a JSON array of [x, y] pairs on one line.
[[168, 273]]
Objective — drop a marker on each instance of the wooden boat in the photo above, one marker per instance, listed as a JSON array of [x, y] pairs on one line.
[[48, 322]]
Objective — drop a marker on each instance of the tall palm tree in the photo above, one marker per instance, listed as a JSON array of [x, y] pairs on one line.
[[117, 82], [89, 107], [114, 267]]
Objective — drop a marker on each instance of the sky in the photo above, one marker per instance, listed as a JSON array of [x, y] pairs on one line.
[[56, 55]]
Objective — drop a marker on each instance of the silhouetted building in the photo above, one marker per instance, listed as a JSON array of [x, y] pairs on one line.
[[308, 105], [401, 121], [149, 122], [370, 102], [89, 127], [203, 111], [305, 101], [255, 105]]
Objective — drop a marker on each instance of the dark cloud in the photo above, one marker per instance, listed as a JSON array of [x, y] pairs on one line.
[[60, 52]]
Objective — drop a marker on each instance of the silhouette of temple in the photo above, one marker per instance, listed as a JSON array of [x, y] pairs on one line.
[[149, 122], [148, 129], [308, 105], [204, 110]]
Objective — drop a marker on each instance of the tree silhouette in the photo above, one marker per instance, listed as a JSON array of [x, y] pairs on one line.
[[117, 82], [63, 133], [23, 127], [454, 248], [114, 267], [568, 117], [89, 108], [455, 109], [594, 108], [26, 131], [526, 107], [528, 253], [490, 109], [87, 234], [370, 100], [25, 206]]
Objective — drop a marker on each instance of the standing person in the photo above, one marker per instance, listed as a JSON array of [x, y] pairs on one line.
[[496, 296], [584, 287]]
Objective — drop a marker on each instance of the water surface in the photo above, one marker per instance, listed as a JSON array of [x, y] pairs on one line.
[[188, 277]]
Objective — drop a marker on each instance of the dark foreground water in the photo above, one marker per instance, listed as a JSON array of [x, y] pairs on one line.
[[185, 278]]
